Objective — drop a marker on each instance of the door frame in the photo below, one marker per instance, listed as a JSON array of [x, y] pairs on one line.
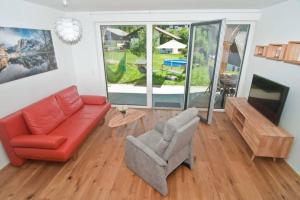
[[217, 64]]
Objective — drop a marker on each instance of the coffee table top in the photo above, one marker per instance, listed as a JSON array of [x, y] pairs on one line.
[[131, 116]]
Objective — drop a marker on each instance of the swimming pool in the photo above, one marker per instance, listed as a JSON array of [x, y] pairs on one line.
[[175, 62]]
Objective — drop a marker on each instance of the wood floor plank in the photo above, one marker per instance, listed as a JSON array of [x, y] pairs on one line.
[[223, 169]]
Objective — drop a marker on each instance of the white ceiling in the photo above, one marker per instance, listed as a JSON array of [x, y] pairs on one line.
[[130, 5]]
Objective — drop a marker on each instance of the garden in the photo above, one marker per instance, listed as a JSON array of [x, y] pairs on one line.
[[127, 64], [127, 72]]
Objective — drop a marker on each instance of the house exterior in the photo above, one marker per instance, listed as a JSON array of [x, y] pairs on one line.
[[171, 47]]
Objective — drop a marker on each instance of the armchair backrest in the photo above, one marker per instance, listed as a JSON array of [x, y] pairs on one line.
[[179, 131]]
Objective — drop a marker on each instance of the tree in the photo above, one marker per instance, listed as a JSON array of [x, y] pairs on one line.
[[138, 45]]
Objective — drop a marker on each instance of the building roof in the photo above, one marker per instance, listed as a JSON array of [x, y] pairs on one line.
[[117, 32], [167, 33], [172, 44]]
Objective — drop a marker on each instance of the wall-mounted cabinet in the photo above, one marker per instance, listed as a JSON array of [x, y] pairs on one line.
[[292, 54], [276, 51], [261, 51], [289, 53]]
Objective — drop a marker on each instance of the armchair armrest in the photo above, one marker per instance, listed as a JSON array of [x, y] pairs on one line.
[[132, 142], [38, 141], [93, 100]]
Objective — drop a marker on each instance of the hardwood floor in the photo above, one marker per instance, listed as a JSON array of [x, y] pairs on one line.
[[223, 170]]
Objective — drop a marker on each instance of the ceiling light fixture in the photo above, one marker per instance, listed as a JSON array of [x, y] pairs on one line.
[[69, 30]]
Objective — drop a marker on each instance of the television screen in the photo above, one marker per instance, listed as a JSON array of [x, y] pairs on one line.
[[268, 97]]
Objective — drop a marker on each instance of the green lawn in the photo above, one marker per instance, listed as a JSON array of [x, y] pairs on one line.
[[131, 74]]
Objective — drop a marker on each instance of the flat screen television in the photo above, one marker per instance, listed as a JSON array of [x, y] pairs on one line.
[[268, 97]]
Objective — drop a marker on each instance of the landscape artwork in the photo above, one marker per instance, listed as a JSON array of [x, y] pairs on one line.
[[25, 52]]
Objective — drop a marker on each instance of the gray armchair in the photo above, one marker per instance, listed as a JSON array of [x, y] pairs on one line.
[[155, 154]]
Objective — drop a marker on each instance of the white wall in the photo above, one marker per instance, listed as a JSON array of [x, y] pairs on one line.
[[22, 92], [280, 24], [87, 54]]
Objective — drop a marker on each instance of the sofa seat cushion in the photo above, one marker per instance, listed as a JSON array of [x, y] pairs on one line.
[[38, 141], [76, 128], [43, 116], [69, 100], [92, 111]]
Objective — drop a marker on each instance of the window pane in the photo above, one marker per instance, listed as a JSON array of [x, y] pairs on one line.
[[232, 60], [170, 44], [124, 52]]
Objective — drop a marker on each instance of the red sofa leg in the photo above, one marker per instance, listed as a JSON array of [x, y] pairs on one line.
[[18, 162]]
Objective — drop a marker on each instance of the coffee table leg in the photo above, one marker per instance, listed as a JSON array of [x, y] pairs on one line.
[[143, 125]]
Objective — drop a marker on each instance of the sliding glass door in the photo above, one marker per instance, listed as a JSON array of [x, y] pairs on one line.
[[173, 65], [203, 67], [124, 55]]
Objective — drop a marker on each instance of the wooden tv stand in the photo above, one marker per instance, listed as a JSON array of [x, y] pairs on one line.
[[263, 137]]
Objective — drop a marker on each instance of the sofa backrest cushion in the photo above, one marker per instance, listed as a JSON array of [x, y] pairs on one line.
[[69, 100], [43, 116]]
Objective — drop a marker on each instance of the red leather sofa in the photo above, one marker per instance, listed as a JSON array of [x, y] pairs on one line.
[[51, 129]]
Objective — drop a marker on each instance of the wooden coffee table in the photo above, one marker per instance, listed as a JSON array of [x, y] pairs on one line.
[[119, 120]]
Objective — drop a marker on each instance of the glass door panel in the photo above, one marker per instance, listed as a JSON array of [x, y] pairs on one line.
[[169, 52], [234, 46], [203, 66], [124, 53]]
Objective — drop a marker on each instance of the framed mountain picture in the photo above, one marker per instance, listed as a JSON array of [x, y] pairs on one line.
[[25, 52]]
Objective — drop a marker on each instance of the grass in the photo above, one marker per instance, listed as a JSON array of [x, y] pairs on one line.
[[132, 75]]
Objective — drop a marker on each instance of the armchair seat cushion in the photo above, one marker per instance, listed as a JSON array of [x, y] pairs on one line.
[[38, 141], [160, 126], [155, 141]]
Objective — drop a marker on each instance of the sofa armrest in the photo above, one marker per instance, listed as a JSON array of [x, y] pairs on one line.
[[160, 126], [144, 150], [93, 100], [38, 141]]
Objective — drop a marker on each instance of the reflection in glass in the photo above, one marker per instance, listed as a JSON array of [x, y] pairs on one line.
[[204, 52], [232, 59]]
